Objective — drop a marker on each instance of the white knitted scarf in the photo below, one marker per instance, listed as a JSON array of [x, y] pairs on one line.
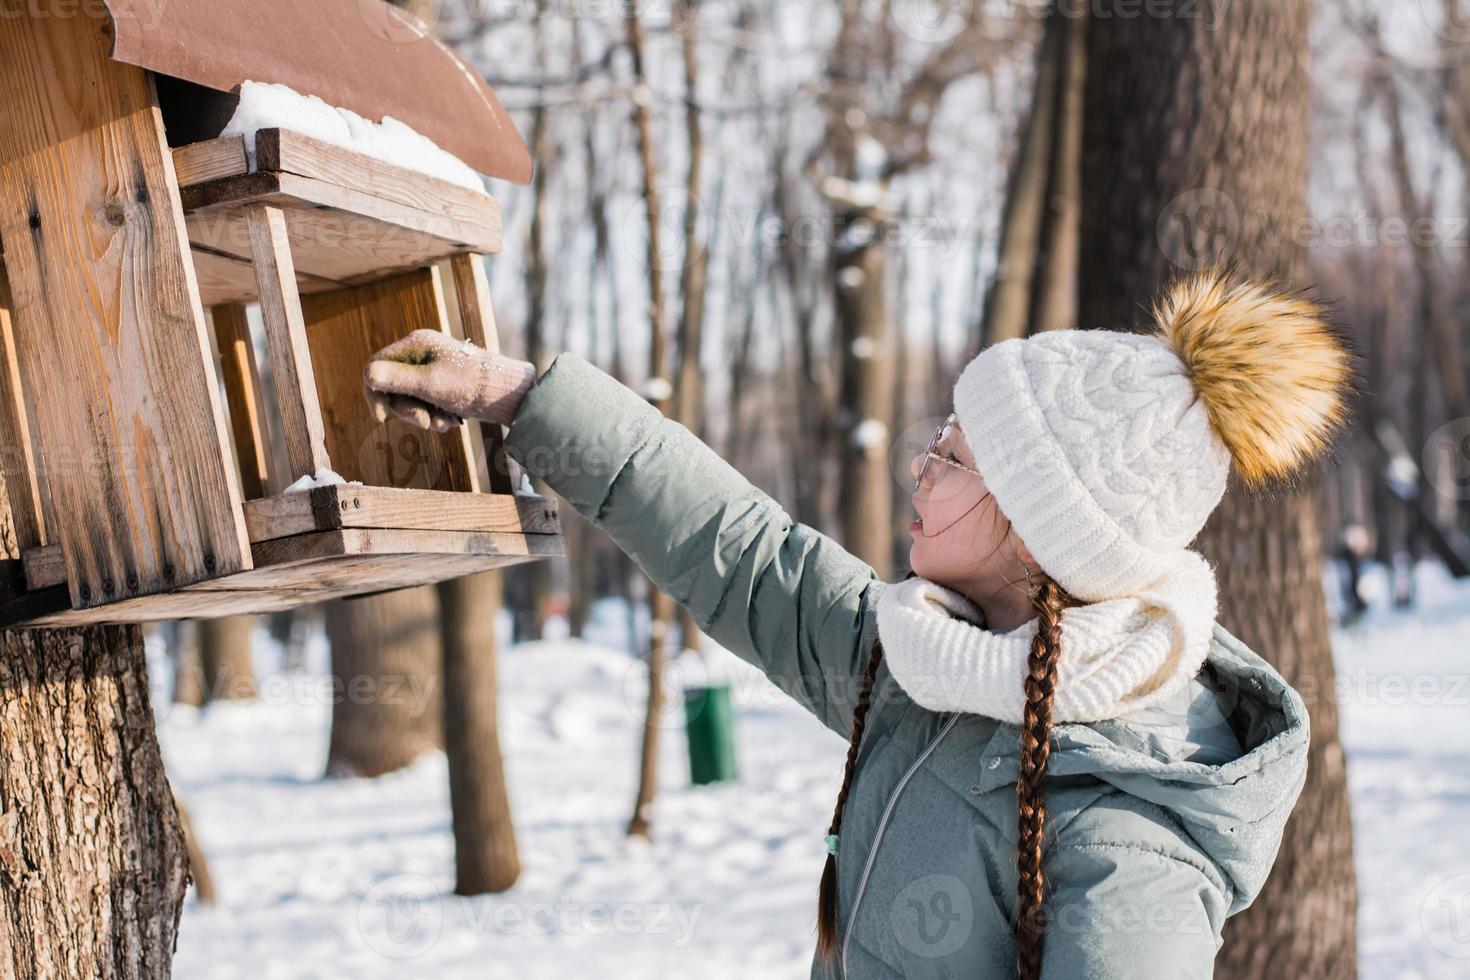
[[1118, 655]]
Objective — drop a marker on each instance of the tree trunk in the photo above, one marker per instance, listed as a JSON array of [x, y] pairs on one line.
[[866, 394], [183, 653], [385, 676], [658, 393], [690, 389], [92, 860], [485, 856], [1054, 288], [1007, 303], [1195, 147], [224, 653], [198, 863]]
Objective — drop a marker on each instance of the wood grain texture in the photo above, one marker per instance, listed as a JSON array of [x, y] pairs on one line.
[[211, 160], [282, 150], [334, 507], [107, 320], [94, 857], [231, 279], [17, 458], [45, 566], [242, 394], [285, 334], [482, 233], [477, 324], [344, 329]]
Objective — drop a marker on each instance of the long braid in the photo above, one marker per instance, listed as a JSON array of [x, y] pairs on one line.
[[1041, 678], [827, 892]]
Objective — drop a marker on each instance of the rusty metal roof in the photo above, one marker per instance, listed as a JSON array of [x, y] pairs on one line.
[[363, 55]]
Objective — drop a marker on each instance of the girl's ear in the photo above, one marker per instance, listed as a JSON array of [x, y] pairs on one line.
[[1023, 553]]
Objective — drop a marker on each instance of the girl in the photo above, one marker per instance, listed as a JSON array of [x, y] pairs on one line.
[[1058, 762]]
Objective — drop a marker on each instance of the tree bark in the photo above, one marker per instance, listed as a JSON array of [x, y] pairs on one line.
[[224, 653], [865, 397], [188, 667], [1007, 303], [485, 855], [658, 394], [92, 861], [690, 388], [1195, 151], [385, 674], [1054, 287]]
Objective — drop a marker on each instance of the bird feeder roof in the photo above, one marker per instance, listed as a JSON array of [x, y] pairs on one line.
[[363, 55]]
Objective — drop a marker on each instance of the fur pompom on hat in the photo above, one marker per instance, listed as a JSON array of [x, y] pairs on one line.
[[1108, 450]]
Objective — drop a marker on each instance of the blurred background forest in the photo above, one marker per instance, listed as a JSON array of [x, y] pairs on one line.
[[789, 225]]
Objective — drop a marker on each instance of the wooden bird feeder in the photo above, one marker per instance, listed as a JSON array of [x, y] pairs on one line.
[[135, 451]]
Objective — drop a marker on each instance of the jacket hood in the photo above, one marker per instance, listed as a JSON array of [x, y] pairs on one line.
[[1235, 811]]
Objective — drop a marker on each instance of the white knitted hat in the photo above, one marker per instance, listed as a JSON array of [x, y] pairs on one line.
[[1107, 450]]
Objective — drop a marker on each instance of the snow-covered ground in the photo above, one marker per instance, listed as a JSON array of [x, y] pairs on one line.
[[321, 879]]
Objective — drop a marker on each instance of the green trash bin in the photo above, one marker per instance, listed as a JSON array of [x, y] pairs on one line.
[[709, 722]]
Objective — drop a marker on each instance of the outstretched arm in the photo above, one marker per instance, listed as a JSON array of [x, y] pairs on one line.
[[779, 594]]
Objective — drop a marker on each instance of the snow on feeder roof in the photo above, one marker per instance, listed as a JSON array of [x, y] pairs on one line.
[[363, 55]]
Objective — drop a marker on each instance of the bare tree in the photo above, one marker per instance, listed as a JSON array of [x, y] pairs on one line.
[[485, 854], [385, 681], [659, 392], [225, 656]]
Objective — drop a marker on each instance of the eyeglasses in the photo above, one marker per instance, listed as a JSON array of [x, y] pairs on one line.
[[930, 455]]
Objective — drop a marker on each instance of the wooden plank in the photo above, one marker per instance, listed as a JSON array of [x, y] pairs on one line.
[[325, 244], [344, 329], [477, 324], [242, 391], [285, 333], [396, 541], [17, 458], [443, 234], [211, 160], [304, 583], [107, 318], [334, 507], [305, 156], [44, 567], [231, 278]]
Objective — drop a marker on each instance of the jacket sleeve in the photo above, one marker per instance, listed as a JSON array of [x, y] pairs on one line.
[[1122, 911], [779, 594]]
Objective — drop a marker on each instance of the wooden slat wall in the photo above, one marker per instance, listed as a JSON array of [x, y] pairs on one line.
[[242, 391], [285, 334], [17, 461], [107, 317], [345, 328]]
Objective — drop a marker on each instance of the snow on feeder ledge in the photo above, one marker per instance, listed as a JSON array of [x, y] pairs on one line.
[[137, 490]]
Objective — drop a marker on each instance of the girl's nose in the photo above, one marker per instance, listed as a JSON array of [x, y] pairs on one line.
[[914, 465]]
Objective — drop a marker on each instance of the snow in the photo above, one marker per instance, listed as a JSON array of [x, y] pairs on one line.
[[354, 878], [658, 389], [270, 106], [869, 433], [324, 477]]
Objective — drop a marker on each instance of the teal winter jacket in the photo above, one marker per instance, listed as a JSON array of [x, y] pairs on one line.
[[1147, 852]]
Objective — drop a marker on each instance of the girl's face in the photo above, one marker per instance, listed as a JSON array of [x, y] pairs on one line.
[[961, 540]]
